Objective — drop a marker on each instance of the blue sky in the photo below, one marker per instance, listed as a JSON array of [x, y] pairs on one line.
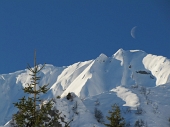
[[67, 31]]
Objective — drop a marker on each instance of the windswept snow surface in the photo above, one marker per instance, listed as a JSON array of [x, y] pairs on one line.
[[159, 66], [133, 79], [125, 94]]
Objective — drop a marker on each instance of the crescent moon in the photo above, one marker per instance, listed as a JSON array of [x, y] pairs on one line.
[[132, 32]]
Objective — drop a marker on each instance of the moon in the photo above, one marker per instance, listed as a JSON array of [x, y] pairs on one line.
[[132, 32]]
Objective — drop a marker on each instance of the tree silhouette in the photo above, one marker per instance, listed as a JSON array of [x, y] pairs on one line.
[[33, 112], [115, 117]]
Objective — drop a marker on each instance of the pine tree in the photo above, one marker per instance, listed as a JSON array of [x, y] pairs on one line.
[[30, 113], [115, 117]]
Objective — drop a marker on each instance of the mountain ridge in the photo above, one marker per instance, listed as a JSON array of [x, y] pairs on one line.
[[115, 75]]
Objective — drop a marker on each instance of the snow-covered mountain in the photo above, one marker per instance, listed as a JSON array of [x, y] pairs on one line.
[[137, 81]]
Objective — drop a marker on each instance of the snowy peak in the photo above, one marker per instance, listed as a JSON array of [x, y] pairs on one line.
[[102, 57], [119, 55], [102, 77], [119, 52], [104, 73]]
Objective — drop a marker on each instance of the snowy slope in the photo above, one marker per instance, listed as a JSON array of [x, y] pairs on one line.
[[131, 78], [11, 88]]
